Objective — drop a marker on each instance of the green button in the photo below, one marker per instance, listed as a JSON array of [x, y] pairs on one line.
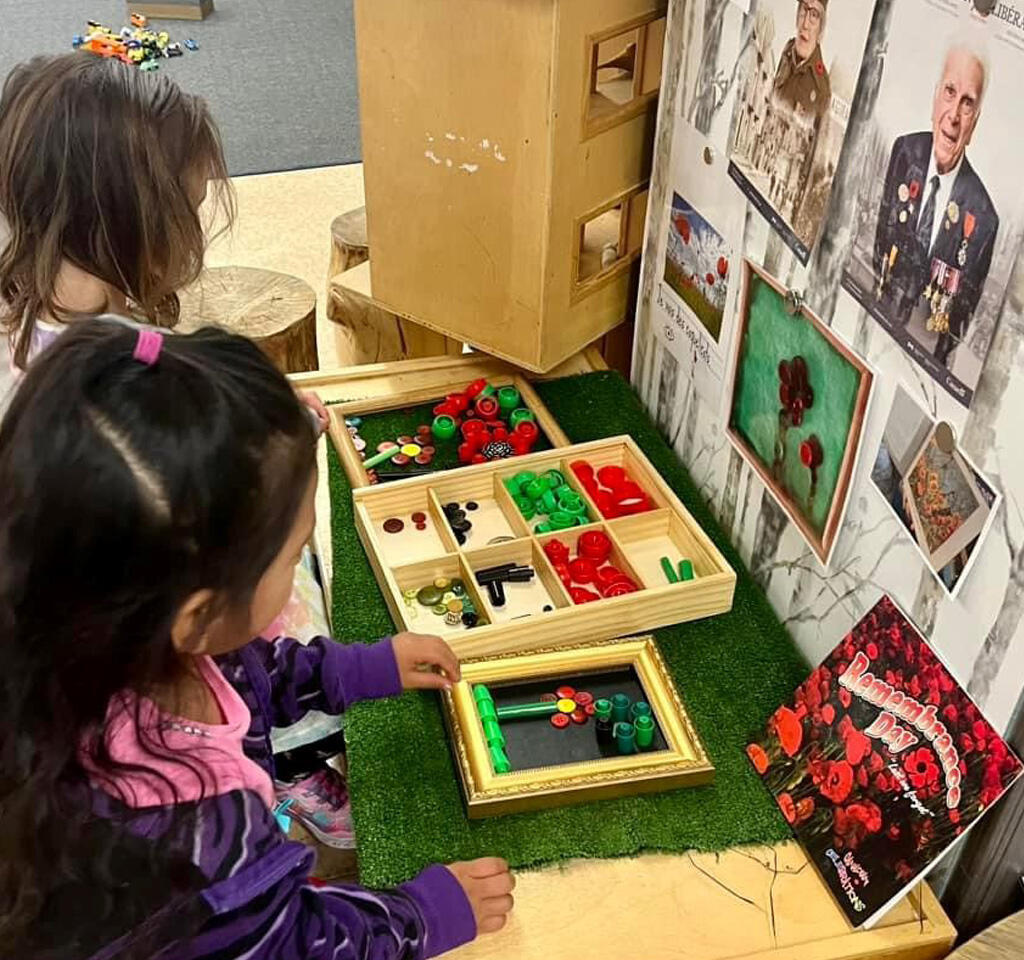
[[429, 595]]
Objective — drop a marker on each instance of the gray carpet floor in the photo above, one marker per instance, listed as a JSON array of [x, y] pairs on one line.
[[280, 75]]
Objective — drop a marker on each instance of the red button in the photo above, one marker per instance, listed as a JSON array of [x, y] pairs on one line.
[[579, 715], [419, 517], [566, 693], [583, 698], [589, 709], [560, 720]]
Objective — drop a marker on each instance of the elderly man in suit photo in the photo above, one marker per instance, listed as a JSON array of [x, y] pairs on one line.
[[937, 225]]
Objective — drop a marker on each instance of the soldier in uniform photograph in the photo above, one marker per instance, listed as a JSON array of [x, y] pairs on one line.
[[801, 80], [937, 225]]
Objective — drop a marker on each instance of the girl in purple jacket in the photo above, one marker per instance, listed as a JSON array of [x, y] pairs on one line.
[[155, 494]]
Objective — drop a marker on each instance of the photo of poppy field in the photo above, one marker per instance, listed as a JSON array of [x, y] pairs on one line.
[[873, 816]]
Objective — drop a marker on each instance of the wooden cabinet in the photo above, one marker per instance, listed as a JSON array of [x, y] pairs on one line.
[[507, 146]]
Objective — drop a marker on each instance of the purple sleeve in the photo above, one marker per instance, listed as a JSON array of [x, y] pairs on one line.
[[448, 917], [324, 675]]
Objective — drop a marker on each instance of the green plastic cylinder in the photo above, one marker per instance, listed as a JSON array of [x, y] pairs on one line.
[[536, 488], [493, 734], [644, 727], [487, 710], [560, 520], [556, 478], [519, 711], [517, 416], [542, 528], [620, 708], [625, 738], [480, 692], [526, 507], [499, 760], [685, 570], [523, 479], [669, 570]]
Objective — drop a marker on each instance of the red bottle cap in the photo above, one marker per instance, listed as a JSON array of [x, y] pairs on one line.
[[612, 477], [583, 570], [619, 588], [557, 552], [594, 545], [608, 574], [472, 426], [582, 469], [479, 458], [458, 400], [528, 430], [486, 407], [580, 595], [475, 387]]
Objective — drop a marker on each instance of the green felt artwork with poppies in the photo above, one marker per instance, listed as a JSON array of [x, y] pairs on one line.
[[880, 762]]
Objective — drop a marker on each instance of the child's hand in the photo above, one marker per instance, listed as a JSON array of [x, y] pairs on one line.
[[315, 404], [488, 887], [424, 663]]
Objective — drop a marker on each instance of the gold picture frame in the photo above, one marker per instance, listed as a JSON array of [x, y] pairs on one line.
[[684, 763]]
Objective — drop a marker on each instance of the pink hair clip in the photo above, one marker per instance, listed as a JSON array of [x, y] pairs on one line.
[[147, 347]]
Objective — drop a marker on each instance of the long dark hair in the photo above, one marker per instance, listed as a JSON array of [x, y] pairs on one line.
[[124, 488], [101, 164]]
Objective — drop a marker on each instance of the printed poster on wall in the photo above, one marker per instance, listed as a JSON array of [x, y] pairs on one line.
[[692, 306], [941, 211], [880, 763], [795, 79]]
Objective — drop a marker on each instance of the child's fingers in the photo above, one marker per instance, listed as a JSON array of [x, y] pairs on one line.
[[492, 924], [489, 866], [428, 680], [441, 655], [499, 885]]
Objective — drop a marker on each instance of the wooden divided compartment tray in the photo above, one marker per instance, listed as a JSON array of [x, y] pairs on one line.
[[421, 552]]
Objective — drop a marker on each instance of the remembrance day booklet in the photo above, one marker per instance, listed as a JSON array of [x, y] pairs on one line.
[[880, 763]]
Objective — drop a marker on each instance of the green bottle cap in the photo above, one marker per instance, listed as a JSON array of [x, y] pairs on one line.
[[685, 570], [443, 427], [560, 520], [620, 708], [640, 709], [508, 399], [511, 486], [523, 479], [519, 415], [644, 727], [556, 478], [548, 501], [487, 390], [563, 490], [536, 488], [542, 528], [526, 508], [602, 708]]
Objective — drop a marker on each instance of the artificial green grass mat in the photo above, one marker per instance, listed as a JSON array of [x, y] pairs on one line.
[[402, 422], [732, 670]]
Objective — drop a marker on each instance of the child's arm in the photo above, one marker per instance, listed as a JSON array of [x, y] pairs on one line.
[[330, 676]]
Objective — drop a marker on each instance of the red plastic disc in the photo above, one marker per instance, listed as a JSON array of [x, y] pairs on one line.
[[583, 698], [386, 445], [400, 459], [620, 588], [487, 407], [580, 595], [556, 551], [419, 517], [566, 693], [424, 458], [608, 574], [560, 720], [589, 709], [579, 715]]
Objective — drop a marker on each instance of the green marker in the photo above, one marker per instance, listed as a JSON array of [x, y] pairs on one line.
[[669, 570], [519, 711], [685, 570], [644, 726]]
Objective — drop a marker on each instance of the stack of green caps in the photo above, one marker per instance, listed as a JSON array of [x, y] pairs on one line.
[[492, 729], [547, 496]]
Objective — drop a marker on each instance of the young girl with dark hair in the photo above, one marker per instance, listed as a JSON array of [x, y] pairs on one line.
[[103, 170], [155, 493]]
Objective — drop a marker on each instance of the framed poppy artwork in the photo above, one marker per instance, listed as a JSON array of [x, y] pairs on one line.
[[881, 762], [798, 403], [569, 725]]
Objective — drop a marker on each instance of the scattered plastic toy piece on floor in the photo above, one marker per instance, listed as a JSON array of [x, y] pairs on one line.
[[134, 45]]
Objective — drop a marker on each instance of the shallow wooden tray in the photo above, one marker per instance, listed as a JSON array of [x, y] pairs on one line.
[[412, 558]]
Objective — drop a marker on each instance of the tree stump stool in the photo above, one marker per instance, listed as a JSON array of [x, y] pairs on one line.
[[276, 311], [349, 246]]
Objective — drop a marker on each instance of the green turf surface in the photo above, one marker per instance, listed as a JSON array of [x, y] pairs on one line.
[[392, 424], [773, 335], [732, 670]]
